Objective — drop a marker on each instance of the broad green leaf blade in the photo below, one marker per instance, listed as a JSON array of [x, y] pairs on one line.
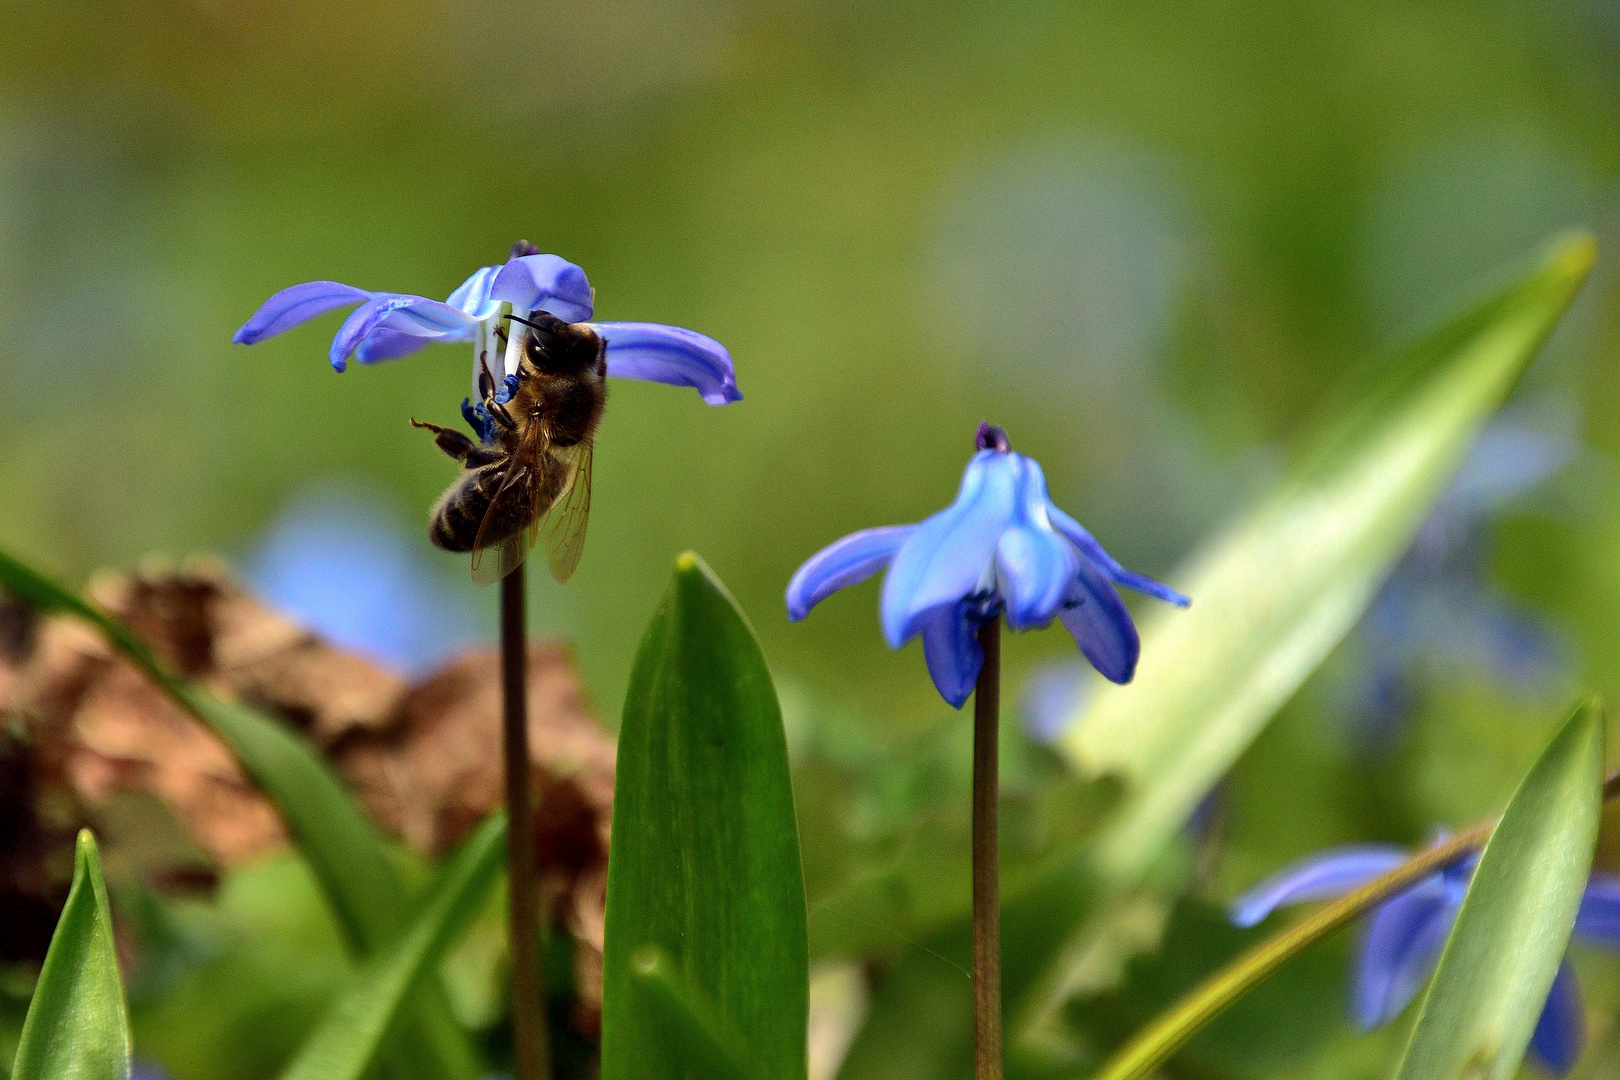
[[704, 863], [76, 1027], [360, 879], [1514, 926], [345, 1043], [706, 1042], [1274, 595]]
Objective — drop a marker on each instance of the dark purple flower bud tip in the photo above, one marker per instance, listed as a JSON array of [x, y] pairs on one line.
[[992, 437], [522, 248]]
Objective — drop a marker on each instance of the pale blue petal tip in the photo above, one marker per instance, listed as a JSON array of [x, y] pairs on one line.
[[847, 562], [671, 355], [1322, 876]]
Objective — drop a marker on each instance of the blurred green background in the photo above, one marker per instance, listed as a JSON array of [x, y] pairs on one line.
[[1145, 237]]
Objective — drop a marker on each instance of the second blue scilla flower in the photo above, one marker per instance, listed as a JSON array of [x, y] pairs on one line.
[[1002, 549], [1407, 932]]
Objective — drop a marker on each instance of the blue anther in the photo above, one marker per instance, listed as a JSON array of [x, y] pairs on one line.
[[478, 420], [508, 388]]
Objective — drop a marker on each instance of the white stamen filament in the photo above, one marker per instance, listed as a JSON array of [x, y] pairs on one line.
[[514, 343]]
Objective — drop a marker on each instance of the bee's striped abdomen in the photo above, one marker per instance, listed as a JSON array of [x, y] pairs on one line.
[[461, 510]]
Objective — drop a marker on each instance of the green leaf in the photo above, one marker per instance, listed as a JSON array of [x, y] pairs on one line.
[[1274, 595], [1514, 926], [77, 1028], [704, 863], [707, 1044], [353, 864], [1271, 597], [346, 1041]]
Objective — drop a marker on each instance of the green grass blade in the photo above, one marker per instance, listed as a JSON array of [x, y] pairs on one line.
[[348, 857], [345, 1044], [77, 1028], [704, 863], [1274, 595], [1514, 926]]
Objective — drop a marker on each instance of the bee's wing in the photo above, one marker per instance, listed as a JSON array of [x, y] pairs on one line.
[[492, 560], [566, 521]]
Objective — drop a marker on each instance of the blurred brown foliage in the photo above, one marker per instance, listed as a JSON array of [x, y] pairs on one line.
[[82, 728]]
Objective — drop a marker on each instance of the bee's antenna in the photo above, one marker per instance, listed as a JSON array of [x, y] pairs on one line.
[[525, 322]]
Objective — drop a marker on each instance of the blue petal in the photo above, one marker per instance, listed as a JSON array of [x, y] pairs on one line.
[[1560, 1034], [951, 649], [1037, 567], [1101, 625], [846, 562], [385, 344], [415, 315], [295, 305], [670, 355], [1322, 876], [948, 558], [1401, 950], [1598, 920], [545, 283], [472, 295], [1089, 547]]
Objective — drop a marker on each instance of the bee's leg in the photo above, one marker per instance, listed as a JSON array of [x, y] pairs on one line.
[[498, 412], [456, 445]]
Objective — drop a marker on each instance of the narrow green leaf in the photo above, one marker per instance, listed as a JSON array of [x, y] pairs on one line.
[[76, 1027], [1274, 595], [704, 1038], [345, 1043], [349, 858], [704, 863], [1514, 926]]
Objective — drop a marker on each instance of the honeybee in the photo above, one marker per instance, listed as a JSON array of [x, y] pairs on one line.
[[535, 474]]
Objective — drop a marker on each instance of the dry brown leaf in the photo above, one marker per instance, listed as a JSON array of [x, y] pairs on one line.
[[424, 760]]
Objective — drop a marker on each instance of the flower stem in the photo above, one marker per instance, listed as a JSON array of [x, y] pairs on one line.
[[986, 869], [528, 1013]]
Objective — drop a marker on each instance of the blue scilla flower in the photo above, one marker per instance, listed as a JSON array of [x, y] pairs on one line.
[[1408, 931], [388, 325], [1001, 549]]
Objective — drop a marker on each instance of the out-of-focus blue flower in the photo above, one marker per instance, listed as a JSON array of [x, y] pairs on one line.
[[1001, 549], [1439, 604], [1408, 931], [339, 562], [1052, 698], [389, 325]]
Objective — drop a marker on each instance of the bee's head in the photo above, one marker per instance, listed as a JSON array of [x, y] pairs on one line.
[[554, 347]]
